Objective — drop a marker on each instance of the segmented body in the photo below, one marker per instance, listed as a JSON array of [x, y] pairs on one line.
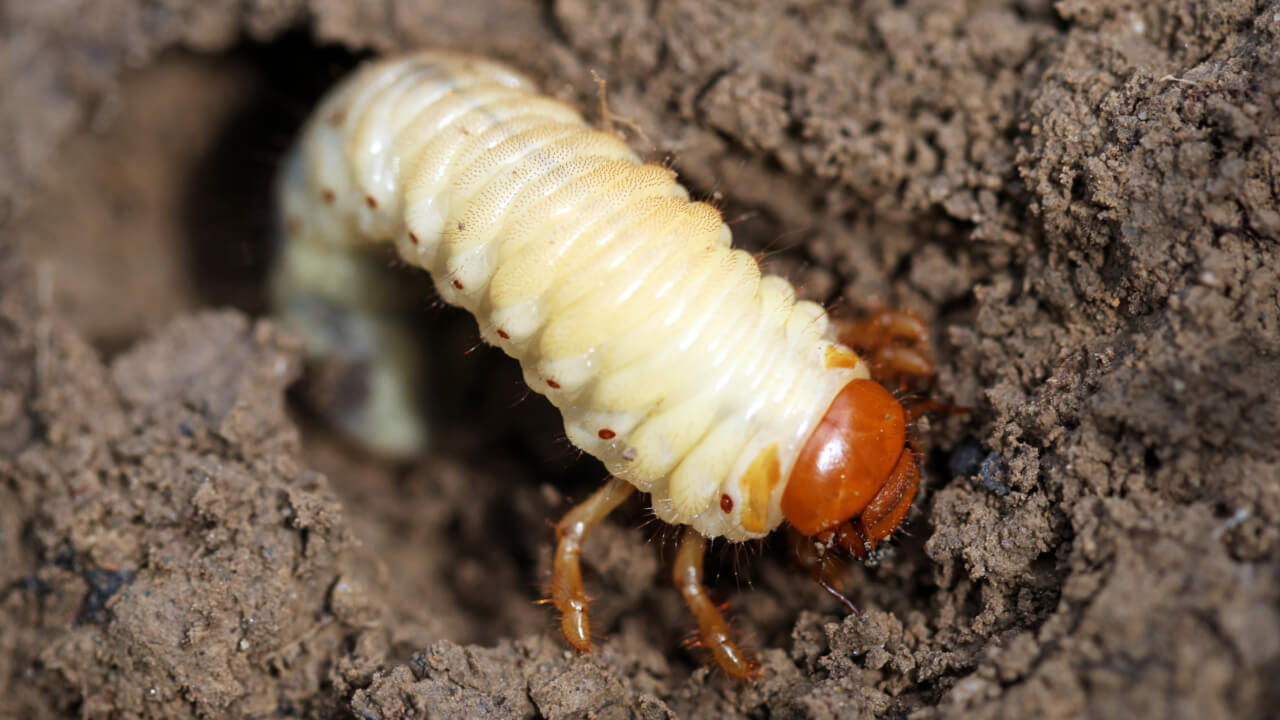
[[673, 360]]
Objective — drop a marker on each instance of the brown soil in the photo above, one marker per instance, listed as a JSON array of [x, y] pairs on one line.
[[1083, 197]]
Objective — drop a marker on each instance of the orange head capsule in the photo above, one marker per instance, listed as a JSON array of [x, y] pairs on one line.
[[855, 477]]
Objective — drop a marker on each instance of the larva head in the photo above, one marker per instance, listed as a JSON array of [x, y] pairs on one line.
[[855, 462]]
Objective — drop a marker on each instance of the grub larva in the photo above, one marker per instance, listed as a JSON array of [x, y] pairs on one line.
[[674, 361]]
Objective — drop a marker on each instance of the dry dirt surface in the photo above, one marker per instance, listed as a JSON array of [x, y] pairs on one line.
[[1082, 197]]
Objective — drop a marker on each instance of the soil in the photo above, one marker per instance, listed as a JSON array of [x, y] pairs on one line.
[[1081, 197]]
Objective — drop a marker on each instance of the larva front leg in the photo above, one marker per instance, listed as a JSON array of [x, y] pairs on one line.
[[895, 343], [713, 629], [567, 593]]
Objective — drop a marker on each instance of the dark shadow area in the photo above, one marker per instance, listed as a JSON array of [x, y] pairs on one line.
[[228, 212]]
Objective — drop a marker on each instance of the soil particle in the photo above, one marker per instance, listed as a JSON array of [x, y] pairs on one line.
[[1080, 197]]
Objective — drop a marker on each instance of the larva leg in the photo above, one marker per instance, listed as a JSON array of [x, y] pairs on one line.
[[566, 574], [893, 342], [884, 326], [713, 629]]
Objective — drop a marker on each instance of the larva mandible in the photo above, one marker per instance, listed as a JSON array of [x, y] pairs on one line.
[[674, 361]]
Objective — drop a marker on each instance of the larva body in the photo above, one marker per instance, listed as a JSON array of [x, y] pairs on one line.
[[688, 373]]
